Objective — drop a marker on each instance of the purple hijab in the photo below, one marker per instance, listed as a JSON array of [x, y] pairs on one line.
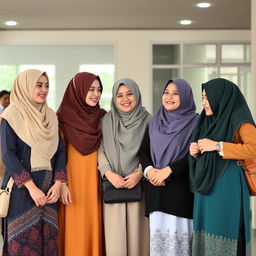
[[170, 131]]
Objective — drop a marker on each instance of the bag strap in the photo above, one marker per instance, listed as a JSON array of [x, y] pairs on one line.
[[10, 185]]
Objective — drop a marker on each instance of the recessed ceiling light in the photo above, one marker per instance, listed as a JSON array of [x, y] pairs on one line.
[[185, 22], [11, 23], [203, 5]]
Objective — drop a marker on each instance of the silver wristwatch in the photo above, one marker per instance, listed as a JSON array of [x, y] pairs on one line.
[[218, 146]]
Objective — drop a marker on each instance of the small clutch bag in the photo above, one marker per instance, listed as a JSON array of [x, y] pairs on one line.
[[112, 194]]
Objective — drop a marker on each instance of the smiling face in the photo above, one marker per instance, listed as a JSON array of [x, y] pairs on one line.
[[41, 90], [170, 97], [206, 105], [125, 99], [94, 94]]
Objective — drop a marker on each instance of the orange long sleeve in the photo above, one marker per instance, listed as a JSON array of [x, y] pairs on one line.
[[244, 146]]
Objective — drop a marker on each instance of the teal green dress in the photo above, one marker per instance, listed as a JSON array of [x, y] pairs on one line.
[[217, 215], [222, 205]]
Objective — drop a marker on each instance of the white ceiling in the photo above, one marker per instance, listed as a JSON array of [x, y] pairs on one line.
[[124, 14]]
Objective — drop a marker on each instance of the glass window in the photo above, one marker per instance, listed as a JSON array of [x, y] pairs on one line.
[[7, 76], [247, 53], [199, 53], [107, 76], [245, 81], [229, 73], [166, 54], [196, 76], [50, 70], [235, 53], [201, 63], [160, 76], [9, 72]]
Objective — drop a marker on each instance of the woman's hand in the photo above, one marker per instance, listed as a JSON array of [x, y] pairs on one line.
[[194, 149], [132, 179], [160, 175], [116, 180], [53, 193], [36, 194], [152, 177], [151, 173], [65, 194], [206, 145]]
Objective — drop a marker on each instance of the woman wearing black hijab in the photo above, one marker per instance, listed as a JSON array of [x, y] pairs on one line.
[[225, 133]]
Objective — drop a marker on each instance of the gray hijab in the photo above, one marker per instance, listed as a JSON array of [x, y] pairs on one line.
[[123, 132]]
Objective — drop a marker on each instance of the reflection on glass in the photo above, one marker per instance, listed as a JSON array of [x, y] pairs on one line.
[[166, 54], [107, 76], [199, 53], [50, 70], [160, 76], [229, 73], [197, 76], [235, 53]]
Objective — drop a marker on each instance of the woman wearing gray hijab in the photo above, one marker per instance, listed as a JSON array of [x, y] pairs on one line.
[[123, 128]]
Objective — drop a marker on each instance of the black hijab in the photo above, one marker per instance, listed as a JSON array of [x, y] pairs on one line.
[[230, 110]]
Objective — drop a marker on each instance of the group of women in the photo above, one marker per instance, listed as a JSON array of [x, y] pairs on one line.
[[194, 194]]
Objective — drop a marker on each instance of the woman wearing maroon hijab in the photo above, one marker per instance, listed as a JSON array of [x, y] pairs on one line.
[[79, 117]]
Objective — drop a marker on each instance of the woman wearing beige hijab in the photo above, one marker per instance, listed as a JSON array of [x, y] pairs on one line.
[[34, 156]]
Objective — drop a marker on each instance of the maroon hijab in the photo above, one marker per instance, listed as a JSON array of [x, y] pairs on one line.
[[80, 122]]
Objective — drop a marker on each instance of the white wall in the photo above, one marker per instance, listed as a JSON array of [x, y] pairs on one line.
[[132, 47]]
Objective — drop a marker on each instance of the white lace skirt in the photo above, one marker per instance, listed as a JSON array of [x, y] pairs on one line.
[[170, 235]]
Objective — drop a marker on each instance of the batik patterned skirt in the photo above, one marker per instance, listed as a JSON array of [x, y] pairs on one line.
[[31, 230]]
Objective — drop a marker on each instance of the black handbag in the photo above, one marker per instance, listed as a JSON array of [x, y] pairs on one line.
[[111, 194]]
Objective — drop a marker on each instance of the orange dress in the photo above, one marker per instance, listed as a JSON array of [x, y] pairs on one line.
[[81, 228]]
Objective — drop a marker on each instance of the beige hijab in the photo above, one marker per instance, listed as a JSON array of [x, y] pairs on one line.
[[35, 124]]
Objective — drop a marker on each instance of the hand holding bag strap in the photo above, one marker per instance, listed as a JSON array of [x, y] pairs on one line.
[[10, 185]]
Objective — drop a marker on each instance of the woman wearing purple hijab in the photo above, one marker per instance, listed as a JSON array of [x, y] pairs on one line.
[[164, 158]]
